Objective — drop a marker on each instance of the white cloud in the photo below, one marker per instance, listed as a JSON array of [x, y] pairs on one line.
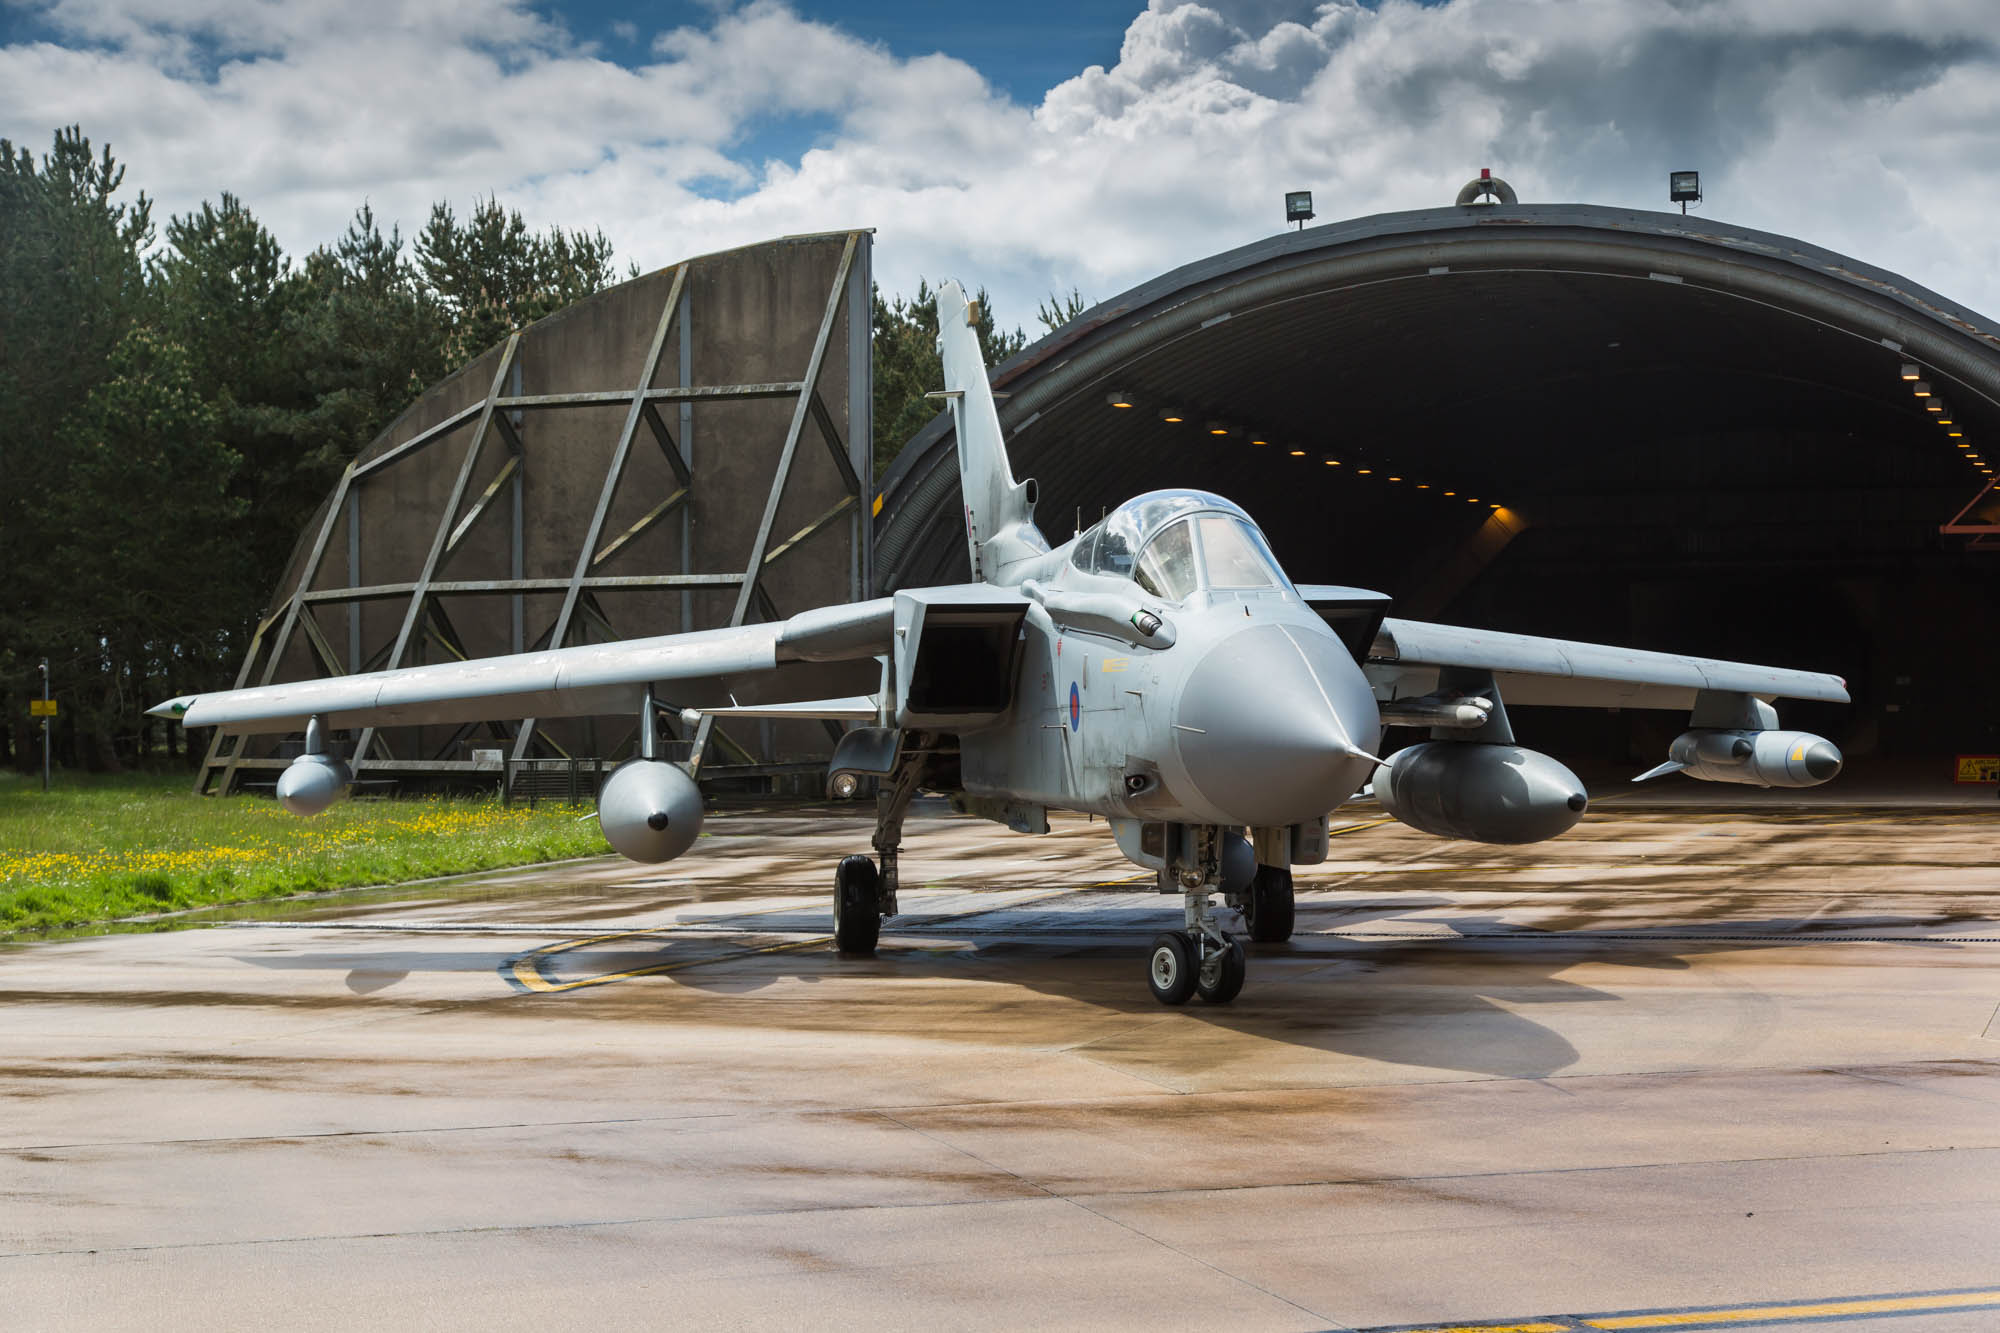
[[1861, 125]]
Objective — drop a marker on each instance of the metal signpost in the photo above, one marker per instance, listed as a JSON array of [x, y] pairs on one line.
[[45, 709]]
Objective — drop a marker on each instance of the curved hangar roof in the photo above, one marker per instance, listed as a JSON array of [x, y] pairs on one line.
[[1631, 387]]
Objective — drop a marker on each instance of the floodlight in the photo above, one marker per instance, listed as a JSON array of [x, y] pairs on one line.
[[1118, 398], [1299, 207], [1684, 188]]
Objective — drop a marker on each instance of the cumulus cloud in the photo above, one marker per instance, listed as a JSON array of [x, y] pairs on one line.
[[1862, 125]]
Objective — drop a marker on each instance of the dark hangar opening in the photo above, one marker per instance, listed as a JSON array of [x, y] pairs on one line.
[[1698, 438]]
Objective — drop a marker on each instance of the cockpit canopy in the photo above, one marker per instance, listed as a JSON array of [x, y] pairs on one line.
[[1172, 542]]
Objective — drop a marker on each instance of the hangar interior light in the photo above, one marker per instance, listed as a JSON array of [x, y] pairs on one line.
[[1922, 388], [1934, 405], [1172, 414], [1911, 371], [1217, 428], [1298, 453], [1118, 398]]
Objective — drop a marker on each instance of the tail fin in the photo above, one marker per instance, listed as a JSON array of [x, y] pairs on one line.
[[999, 511]]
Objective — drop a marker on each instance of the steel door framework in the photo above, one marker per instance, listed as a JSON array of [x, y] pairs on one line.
[[500, 413]]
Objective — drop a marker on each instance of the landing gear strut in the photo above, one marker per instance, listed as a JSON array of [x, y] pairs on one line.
[[1204, 959], [862, 893]]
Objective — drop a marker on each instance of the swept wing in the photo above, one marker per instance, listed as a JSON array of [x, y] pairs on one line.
[[813, 655], [1406, 656]]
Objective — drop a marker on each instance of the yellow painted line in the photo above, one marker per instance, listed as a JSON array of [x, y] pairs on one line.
[[1963, 1300], [1539, 1326], [1356, 828], [526, 973]]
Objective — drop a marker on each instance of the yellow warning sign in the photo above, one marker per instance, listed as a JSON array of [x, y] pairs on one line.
[[1978, 768], [41, 708]]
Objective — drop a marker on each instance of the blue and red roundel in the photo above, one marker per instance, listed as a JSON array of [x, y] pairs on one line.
[[1075, 708]]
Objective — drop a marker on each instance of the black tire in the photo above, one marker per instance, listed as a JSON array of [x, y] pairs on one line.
[[857, 906], [1268, 908], [1230, 970], [1170, 967]]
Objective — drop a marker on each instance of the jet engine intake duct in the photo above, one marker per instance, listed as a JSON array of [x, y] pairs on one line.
[[1480, 792], [649, 810]]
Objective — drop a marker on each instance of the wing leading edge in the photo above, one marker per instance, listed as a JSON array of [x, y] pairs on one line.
[[815, 654], [1529, 670]]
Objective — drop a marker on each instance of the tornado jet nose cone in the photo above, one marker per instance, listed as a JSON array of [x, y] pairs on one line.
[[1822, 760], [1267, 723]]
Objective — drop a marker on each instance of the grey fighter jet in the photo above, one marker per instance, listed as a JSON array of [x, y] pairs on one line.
[[1158, 670]]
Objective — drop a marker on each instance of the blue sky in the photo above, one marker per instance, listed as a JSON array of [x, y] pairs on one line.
[[1025, 47], [1040, 145]]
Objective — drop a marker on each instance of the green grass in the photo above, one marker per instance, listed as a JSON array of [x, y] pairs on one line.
[[100, 849]]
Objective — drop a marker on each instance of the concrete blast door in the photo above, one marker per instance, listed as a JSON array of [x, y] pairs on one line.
[[686, 451]]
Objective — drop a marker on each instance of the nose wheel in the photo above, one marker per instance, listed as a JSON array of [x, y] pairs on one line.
[[1183, 964]]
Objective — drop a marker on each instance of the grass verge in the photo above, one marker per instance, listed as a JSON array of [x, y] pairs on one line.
[[96, 849]]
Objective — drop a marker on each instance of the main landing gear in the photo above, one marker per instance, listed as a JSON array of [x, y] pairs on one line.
[[862, 893], [1268, 905]]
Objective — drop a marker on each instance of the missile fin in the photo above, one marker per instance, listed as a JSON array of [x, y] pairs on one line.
[[1669, 767]]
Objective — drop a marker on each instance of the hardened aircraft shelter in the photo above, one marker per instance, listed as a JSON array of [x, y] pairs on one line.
[[1634, 427], [685, 451]]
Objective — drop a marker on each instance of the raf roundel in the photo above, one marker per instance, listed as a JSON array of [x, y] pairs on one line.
[[1075, 708]]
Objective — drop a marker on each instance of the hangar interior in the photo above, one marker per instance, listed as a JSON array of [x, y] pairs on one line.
[[1635, 428]]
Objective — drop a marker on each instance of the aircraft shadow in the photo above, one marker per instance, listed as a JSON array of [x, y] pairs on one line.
[[1448, 1003]]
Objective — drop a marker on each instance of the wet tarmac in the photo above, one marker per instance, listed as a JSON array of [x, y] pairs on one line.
[[1740, 1060]]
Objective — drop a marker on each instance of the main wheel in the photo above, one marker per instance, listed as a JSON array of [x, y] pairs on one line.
[[857, 908], [1268, 907], [1228, 970], [1170, 970]]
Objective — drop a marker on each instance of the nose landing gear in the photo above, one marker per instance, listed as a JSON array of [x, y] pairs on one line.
[[1204, 959]]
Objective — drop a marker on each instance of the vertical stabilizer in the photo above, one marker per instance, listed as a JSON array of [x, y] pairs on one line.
[[999, 511]]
